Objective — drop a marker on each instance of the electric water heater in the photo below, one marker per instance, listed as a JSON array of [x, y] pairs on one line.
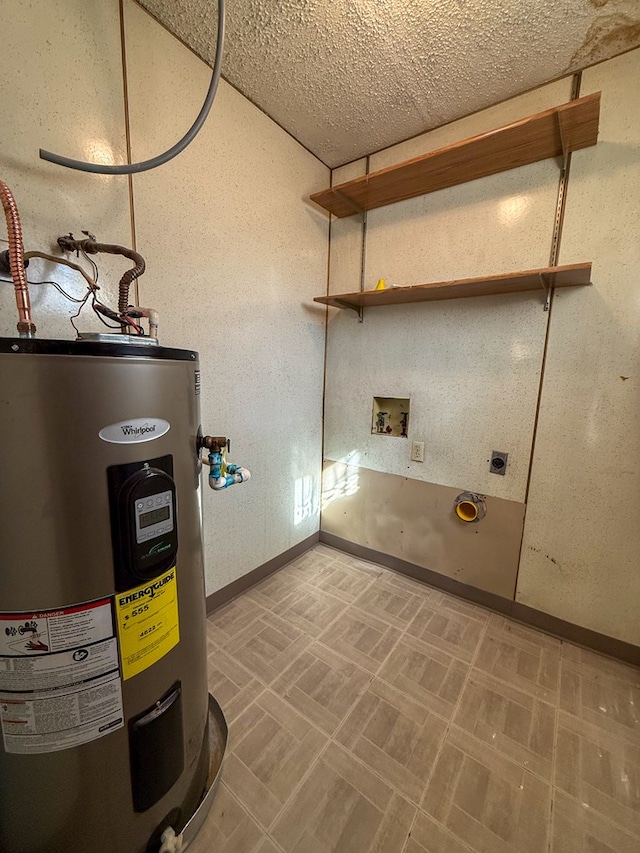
[[103, 692]]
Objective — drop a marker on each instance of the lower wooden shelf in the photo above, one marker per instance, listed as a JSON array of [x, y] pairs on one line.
[[570, 275]]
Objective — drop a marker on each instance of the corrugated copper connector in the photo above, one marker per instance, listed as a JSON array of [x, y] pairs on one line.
[[26, 327]]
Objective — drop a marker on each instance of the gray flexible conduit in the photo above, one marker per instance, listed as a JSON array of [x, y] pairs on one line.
[[161, 159]]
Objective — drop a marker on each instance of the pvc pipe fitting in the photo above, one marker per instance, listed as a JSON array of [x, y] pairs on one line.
[[470, 507], [221, 475]]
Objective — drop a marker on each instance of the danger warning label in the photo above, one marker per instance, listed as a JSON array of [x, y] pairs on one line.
[[148, 625], [59, 677]]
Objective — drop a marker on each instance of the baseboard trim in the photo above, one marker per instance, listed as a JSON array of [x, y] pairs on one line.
[[576, 633], [527, 615], [235, 588], [463, 590]]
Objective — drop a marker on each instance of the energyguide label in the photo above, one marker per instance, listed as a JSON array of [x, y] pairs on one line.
[[148, 624]]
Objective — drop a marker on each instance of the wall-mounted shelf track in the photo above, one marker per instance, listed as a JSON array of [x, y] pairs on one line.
[[551, 133], [571, 275]]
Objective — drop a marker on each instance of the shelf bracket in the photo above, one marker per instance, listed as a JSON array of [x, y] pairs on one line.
[[345, 198], [563, 141], [547, 289], [342, 304]]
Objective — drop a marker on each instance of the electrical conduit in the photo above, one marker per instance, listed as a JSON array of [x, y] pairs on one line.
[[161, 159], [92, 247]]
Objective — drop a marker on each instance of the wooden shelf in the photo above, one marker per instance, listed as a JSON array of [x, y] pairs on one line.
[[571, 275], [551, 133]]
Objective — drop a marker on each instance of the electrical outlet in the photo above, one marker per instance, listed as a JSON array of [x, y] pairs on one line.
[[417, 451], [498, 462]]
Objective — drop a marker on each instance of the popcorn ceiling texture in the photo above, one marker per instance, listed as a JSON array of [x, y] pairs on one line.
[[348, 77]]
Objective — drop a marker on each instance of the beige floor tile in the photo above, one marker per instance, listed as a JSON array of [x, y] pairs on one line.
[[267, 846], [272, 748], [447, 629], [504, 626], [232, 685], [228, 829], [322, 686], [428, 836], [361, 638], [310, 609], [230, 620], [344, 581], [304, 569], [268, 646], [395, 826], [525, 659], [272, 591], [466, 608], [343, 808], [576, 828], [481, 782], [394, 736], [321, 560], [364, 565], [211, 644], [390, 602], [610, 667], [327, 552], [607, 696], [600, 770], [428, 675], [517, 724], [486, 801], [416, 587]]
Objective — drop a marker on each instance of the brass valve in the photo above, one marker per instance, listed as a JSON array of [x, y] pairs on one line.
[[215, 443]]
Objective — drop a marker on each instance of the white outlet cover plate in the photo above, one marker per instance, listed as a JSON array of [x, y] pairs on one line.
[[417, 451]]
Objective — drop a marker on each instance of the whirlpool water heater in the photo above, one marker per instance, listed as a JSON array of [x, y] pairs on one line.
[[104, 707]]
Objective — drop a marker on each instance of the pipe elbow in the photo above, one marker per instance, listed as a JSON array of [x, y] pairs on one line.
[[221, 475], [235, 474], [217, 483], [241, 474]]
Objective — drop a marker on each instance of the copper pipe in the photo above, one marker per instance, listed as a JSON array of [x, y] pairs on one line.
[[26, 327]]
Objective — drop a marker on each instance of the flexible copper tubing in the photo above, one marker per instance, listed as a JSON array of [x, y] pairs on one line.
[[91, 247], [26, 328]]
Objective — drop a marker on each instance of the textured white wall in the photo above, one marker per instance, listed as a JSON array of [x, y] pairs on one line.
[[581, 549], [234, 249], [471, 366], [61, 89], [235, 254]]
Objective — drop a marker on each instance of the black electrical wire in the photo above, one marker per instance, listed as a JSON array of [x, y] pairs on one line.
[[79, 311], [100, 317], [123, 319], [161, 159], [54, 283], [82, 302]]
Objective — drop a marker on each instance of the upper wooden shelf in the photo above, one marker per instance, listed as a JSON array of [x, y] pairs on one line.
[[571, 275], [551, 133]]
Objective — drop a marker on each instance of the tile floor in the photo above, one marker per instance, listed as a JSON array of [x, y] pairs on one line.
[[369, 712]]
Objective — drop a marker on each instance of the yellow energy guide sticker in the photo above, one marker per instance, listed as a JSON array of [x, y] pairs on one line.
[[148, 624]]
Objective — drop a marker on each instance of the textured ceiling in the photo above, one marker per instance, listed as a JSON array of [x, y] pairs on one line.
[[348, 77]]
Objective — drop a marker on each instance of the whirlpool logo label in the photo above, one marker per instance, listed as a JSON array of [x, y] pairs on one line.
[[135, 430]]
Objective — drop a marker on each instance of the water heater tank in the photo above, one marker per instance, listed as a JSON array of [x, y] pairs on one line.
[[103, 690]]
